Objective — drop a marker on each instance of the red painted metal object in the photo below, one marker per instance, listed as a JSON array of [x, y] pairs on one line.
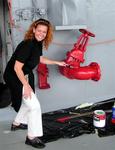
[[75, 57], [42, 76]]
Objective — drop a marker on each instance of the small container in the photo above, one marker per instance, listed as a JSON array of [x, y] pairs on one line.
[[99, 118], [113, 114]]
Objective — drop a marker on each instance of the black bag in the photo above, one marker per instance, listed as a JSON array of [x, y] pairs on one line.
[[5, 97]]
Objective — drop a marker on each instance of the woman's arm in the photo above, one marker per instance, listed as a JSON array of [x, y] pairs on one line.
[[19, 72], [47, 61]]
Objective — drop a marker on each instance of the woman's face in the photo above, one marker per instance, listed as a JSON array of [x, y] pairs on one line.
[[40, 32]]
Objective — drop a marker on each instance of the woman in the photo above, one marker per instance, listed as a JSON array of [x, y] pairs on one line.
[[19, 77]]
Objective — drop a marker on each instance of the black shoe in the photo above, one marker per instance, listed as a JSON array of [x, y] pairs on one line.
[[36, 142], [21, 126], [43, 139]]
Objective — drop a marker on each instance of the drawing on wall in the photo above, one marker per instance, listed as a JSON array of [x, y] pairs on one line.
[[59, 12], [29, 14]]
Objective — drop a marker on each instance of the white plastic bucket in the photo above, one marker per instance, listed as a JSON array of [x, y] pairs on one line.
[[99, 118]]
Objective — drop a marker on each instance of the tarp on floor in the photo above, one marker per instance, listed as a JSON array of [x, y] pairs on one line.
[[72, 122]]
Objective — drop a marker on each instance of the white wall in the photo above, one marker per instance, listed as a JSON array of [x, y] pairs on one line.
[[65, 92]]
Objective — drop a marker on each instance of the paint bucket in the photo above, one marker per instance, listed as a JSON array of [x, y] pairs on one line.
[[99, 118], [113, 114]]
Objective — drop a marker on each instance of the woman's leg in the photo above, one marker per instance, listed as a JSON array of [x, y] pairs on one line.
[[22, 115], [30, 113], [34, 116], [30, 109], [34, 122]]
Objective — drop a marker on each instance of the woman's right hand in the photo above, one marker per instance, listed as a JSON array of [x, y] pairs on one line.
[[27, 91]]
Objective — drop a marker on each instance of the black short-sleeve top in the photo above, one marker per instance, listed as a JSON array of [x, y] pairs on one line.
[[27, 52]]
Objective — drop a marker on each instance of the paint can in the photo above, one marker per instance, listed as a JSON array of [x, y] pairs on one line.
[[113, 114], [99, 118]]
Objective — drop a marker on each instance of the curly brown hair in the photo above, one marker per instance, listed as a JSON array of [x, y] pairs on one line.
[[48, 39]]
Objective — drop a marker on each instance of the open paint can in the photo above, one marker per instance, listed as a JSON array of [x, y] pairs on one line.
[[99, 118]]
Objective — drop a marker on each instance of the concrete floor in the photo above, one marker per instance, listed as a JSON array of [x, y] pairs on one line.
[[15, 140]]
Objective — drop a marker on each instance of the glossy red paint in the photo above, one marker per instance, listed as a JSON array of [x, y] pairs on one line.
[[42, 76], [75, 57]]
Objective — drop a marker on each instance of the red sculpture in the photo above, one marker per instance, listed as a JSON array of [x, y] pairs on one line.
[[75, 57], [42, 76]]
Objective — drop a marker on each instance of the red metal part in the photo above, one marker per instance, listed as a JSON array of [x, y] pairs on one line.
[[42, 76], [75, 57]]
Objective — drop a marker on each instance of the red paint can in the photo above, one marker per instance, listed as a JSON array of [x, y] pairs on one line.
[[99, 118]]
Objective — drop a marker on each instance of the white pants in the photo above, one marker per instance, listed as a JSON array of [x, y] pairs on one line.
[[30, 114]]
